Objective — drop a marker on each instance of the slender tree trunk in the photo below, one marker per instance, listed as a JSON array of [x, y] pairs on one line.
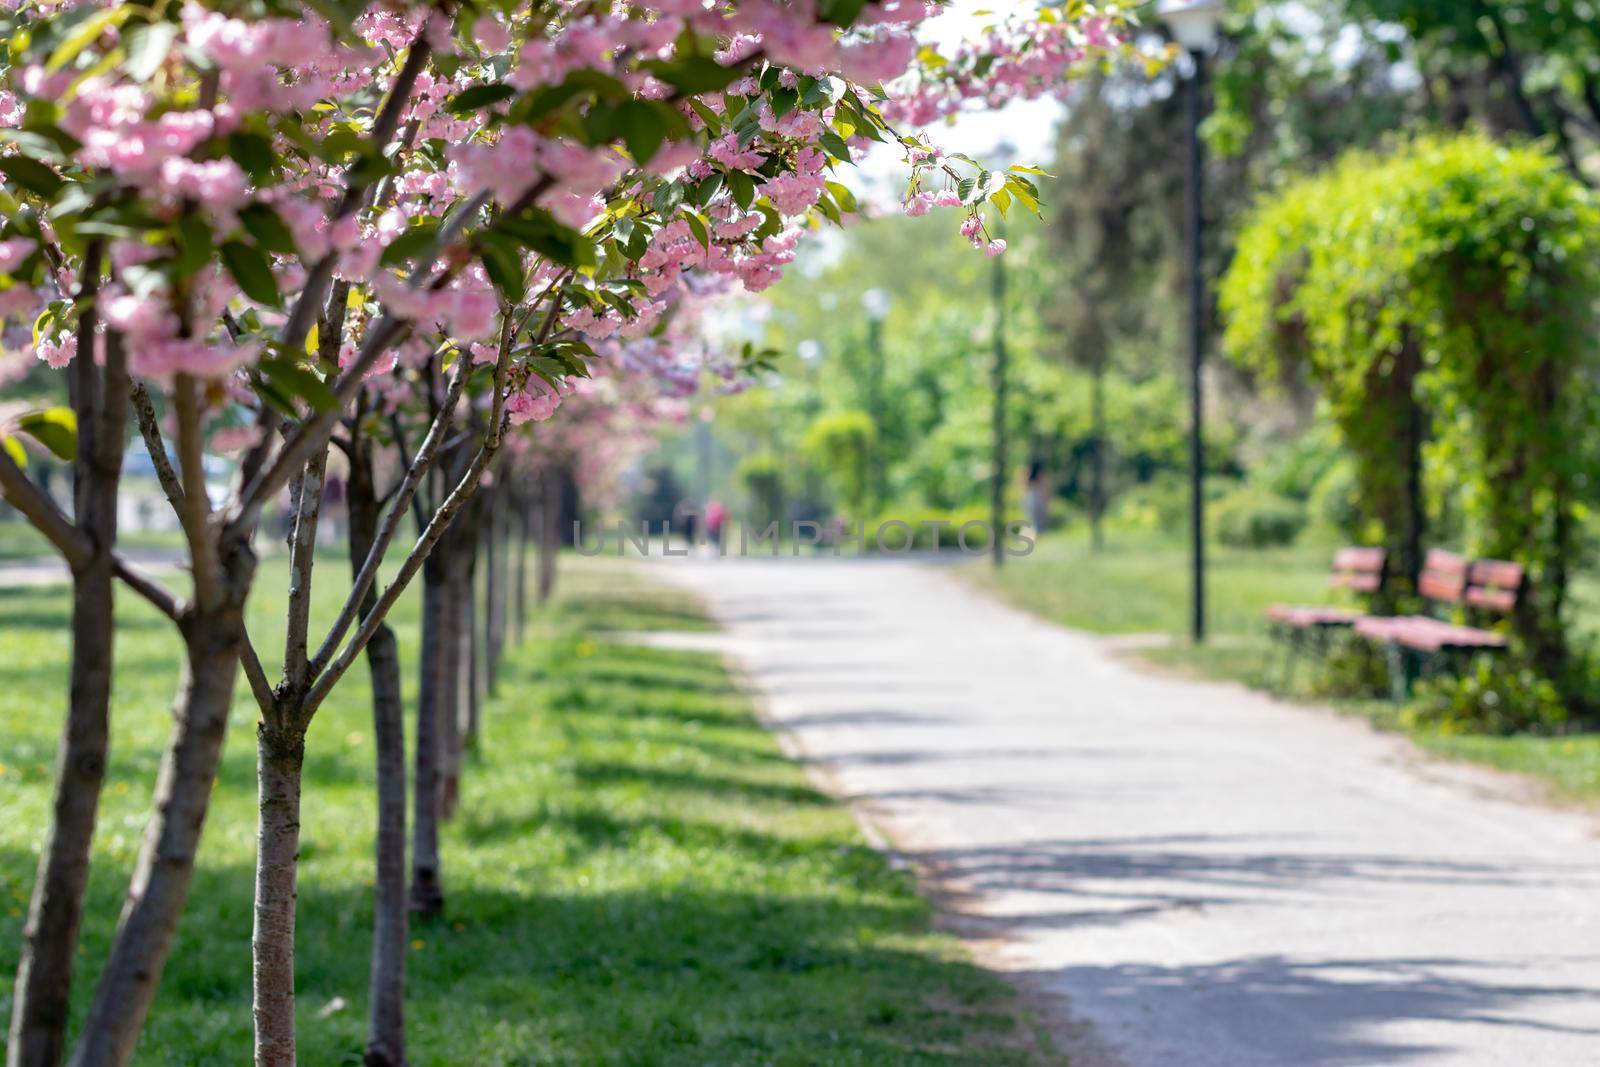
[[549, 533], [455, 686], [475, 677], [427, 890], [1097, 499], [279, 759], [165, 867], [50, 936], [494, 587], [524, 523], [386, 1034]]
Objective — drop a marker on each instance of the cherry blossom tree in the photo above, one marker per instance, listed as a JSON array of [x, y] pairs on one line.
[[284, 229]]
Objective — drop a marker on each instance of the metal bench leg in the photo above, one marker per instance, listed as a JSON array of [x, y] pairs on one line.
[[1289, 660], [1399, 672]]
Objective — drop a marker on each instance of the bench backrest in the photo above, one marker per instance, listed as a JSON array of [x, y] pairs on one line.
[[1495, 584], [1488, 584], [1444, 576], [1360, 570]]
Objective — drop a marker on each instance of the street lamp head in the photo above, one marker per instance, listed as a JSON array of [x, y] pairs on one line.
[[875, 302], [1193, 22]]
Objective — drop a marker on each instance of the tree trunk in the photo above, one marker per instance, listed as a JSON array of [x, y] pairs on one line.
[[475, 677], [455, 685], [1097, 497], [386, 1034], [494, 588], [427, 890], [165, 867], [390, 921], [524, 524], [280, 757], [549, 533], [50, 936]]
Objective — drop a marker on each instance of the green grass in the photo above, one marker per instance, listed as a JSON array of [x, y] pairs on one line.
[[19, 540], [636, 876], [1139, 584]]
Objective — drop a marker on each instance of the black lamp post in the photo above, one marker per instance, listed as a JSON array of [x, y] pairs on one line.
[[875, 302], [1194, 25]]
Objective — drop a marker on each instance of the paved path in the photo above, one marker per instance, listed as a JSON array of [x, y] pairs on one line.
[[1203, 875]]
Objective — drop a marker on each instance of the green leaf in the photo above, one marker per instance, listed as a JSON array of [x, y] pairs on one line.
[[693, 74], [539, 230], [55, 428], [642, 130], [252, 269], [1019, 168], [253, 152], [743, 188], [841, 12], [31, 175], [87, 32], [416, 240], [268, 229], [195, 244], [836, 146], [297, 380], [783, 101], [697, 226], [503, 263], [479, 96], [14, 449], [146, 46]]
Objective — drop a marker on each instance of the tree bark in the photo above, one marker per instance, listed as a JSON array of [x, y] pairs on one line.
[[165, 867], [549, 532], [475, 677], [427, 890], [454, 686], [55, 913], [386, 1034], [524, 524], [279, 760]]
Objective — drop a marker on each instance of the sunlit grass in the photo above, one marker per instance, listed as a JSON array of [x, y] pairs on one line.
[[1139, 584], [636, 875]]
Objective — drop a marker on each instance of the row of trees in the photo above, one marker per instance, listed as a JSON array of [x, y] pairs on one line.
[[398, 231], [1442, 297]]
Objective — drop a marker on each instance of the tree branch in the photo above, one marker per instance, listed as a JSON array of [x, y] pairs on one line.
[[156, 593], [21, 493], [430, 537], [260, 688], [156, 445], [196, 514], [415, 472]]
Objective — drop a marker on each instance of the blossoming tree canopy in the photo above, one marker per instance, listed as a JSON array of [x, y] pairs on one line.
[[445, 163]]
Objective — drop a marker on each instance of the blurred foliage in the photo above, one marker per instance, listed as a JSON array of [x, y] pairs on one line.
[[1442, 295]]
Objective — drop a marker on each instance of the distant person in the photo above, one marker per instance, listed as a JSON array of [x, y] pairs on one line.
[[716, 520], [1037, 496]]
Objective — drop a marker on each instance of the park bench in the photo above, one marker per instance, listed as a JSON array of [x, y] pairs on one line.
[[1302, 627], [1424, 644]]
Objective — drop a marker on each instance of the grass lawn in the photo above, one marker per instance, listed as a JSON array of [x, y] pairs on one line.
[[636, 875], [1139, 584], [19, 540]]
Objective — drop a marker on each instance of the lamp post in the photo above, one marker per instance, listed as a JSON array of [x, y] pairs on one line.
[[997, 486], [1193, 24], [875, 302]]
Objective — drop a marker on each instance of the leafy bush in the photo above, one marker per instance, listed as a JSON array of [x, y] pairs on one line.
[[1335, 501], [1494, 697], [1257, 518], [761, 475], [841, 443]]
